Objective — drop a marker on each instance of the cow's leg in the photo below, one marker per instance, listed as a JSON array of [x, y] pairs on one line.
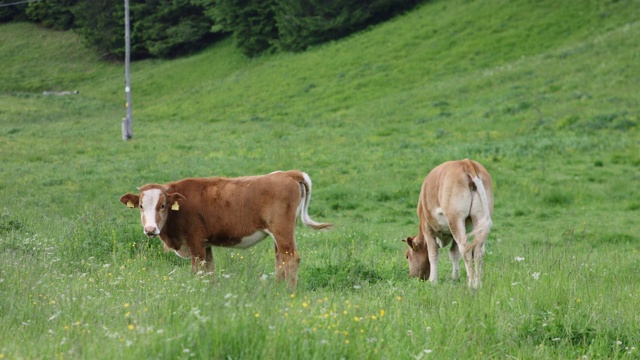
[[454, 255], [478, 254], [201, 259], [287, 256], [458, 230], [209, 260], [433, 251], [478, 258]]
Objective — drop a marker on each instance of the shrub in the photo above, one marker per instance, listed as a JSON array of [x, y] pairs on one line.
[[302, 23], [251, 22], [56, 15]]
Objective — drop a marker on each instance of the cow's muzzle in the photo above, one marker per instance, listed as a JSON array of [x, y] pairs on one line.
[[151, 231]]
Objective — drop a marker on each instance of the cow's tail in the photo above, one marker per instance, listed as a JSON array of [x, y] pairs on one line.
[[303, 209], [482, 228]]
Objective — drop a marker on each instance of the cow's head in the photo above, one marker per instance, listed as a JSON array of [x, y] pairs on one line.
[[417, 257], [154, 202]]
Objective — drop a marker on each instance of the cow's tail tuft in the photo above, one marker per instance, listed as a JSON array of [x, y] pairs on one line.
[[303, 209]]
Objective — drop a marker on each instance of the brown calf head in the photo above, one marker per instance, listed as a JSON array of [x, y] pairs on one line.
[[154, 202], [417, 257]]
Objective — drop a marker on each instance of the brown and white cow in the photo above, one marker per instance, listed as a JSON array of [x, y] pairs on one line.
[[191, 215], [455, 196]]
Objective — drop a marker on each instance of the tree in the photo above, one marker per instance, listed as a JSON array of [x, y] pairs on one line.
[[169, 28], [101, 23], [251, 22], [302, 23], [159, 28], [12, 12], [56, 14]]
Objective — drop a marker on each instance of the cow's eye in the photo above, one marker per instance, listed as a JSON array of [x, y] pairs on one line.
[[162, 207], [141, 207]]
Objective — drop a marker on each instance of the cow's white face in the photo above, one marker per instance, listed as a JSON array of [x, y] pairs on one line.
[[153, 211], [154, 203], [418, 258]]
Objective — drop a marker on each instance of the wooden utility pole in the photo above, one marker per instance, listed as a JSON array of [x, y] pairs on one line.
[[127, 127]]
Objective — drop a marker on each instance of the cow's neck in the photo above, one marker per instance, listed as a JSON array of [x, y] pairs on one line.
[[171, 238]]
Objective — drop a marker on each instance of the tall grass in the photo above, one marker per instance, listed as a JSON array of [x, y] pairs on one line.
[[544, 99]]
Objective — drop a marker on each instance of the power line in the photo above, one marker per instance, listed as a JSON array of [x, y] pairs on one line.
[[18, 3]]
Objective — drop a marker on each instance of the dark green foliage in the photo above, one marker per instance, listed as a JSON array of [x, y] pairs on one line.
[[54, 14], [101, 23], [159, 28], [294, 25], [12, 12], [302, 23], [168, 28], [252, 22]]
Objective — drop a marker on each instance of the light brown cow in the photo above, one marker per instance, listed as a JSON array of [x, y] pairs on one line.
[[191, 215], [454, 196]]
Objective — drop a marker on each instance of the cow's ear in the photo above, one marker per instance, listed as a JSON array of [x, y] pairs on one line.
[[131, 200], [409, 241], [175, 199]]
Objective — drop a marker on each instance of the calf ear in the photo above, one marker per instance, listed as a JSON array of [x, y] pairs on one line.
[[130, 200], [409, 241], [175, 199]]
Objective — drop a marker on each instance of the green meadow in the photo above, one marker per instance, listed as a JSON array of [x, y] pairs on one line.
[[543, 93]]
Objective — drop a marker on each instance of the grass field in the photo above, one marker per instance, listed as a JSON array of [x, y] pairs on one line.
[[544, 94]]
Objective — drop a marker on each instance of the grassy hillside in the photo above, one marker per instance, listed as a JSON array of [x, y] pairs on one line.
[[544, 94]]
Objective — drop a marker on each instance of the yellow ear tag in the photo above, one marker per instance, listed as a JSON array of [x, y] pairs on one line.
[[175, 206], [130, 204]]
